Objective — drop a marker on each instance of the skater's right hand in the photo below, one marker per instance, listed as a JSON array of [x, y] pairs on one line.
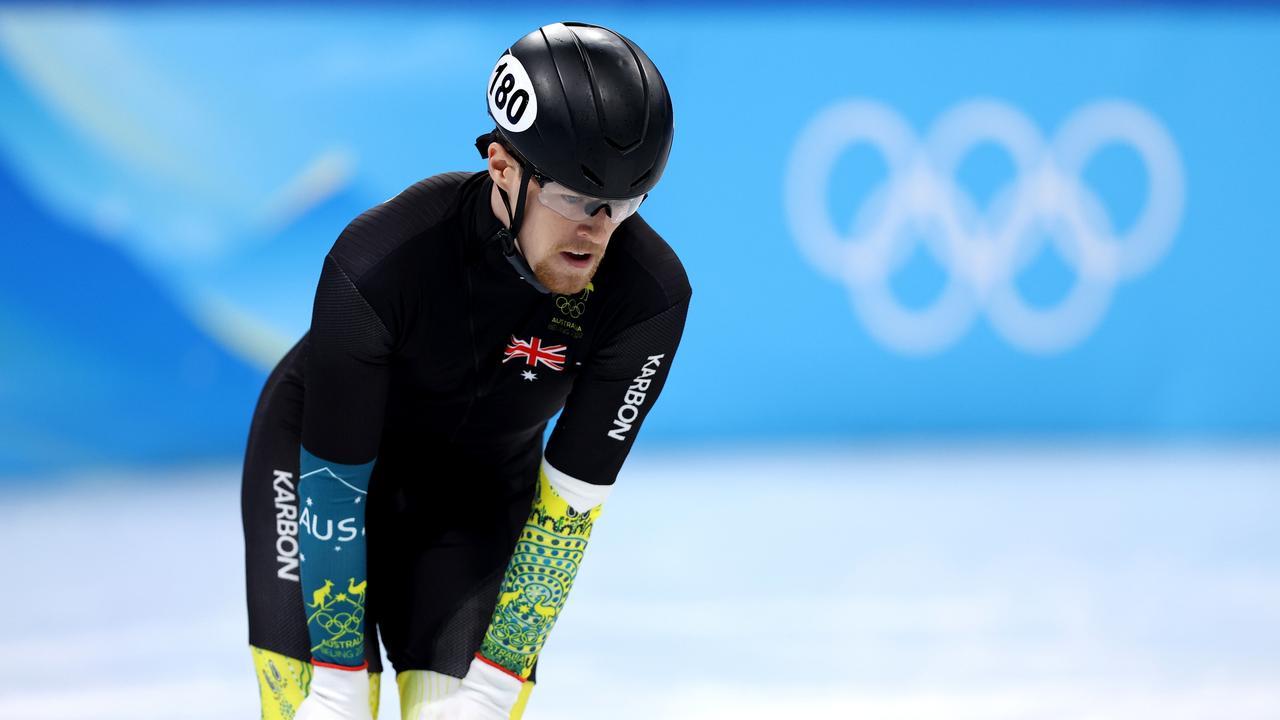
[[336, 695]]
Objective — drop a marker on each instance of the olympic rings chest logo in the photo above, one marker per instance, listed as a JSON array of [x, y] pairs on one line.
[[982, 253], [574, 306]]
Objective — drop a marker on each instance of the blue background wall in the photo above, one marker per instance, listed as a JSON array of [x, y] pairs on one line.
[[170, 178]]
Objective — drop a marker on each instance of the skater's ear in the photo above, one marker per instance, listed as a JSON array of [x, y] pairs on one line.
[[503, 168]]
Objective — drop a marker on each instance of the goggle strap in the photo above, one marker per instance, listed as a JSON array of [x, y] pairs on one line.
[[518, 217], [515, 218], [510, 250]]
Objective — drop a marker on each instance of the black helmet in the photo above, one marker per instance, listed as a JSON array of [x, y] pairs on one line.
[[583, 106]]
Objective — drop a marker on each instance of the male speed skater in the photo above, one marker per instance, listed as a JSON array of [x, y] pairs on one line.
[[396, 484]]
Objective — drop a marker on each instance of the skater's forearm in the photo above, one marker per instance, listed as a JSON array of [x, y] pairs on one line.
[[542, 570], [331, 537]]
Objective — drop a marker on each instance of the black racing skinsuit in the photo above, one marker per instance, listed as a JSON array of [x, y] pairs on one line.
[[415, 313]]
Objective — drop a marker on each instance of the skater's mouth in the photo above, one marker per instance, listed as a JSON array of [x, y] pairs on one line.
[[577, 259]]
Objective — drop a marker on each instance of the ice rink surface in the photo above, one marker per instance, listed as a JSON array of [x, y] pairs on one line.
[[906, 583]]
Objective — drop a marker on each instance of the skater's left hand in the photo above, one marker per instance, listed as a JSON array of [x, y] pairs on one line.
[[486, 693]]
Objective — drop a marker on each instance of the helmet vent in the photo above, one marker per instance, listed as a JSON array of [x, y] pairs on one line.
[[586, 171], [624, 148], [644, 176]]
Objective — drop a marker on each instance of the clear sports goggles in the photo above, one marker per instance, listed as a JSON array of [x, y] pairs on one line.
[[573, 205]]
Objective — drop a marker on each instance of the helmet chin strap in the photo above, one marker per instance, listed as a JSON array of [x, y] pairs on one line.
[[510, 244]]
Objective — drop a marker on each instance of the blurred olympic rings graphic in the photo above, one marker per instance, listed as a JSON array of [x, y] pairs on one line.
[[982, 250]]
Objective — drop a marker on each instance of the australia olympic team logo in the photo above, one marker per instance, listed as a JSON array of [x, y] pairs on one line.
[[982, 251]]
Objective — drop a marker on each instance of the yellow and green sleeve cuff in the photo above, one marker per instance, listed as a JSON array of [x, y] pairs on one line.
[[542, 569]]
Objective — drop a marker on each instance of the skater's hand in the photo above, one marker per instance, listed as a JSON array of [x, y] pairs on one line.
[[486, 693], [336, 695]]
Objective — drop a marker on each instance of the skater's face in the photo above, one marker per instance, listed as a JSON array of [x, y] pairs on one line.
[[563, 253]]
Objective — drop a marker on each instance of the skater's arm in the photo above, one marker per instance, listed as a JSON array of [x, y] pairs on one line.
[[593, 436], [346, 387]]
